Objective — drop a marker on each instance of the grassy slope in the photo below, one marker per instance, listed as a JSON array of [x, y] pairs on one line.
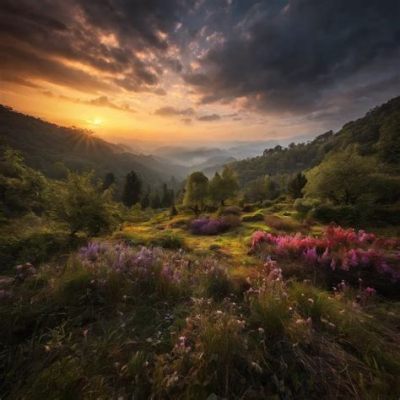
[[74, 333]]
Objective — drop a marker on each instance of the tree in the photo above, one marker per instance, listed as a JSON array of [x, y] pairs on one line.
[[22, 189], [167, 197], [341, 179], [223, 187], [215, 189], [81, 203], [271, 188], [108, 181], [155, 200], [296, 185], [132, 189], [263, 188], [196, 192], [145, 200]]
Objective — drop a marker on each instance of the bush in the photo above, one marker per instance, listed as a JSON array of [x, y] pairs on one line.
[[231, 221], [304, 206], [37, 247], [83, 206], [168, 240], [343, 215], [208, 226], [385, 215], [281, 224], [257, 216]]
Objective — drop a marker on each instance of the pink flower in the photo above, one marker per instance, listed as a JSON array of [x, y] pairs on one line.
[[310, 255], [369, 291]]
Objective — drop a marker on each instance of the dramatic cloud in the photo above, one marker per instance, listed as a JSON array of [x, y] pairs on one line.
[[300, 63], [82, 42], [294, 56]]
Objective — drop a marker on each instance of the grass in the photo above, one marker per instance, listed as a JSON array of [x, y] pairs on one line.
[[204, 320]]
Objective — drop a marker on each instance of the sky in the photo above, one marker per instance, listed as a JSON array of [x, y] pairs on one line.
[[199, 71]]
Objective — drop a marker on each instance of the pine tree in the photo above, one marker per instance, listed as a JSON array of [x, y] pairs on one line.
[[132, 189]]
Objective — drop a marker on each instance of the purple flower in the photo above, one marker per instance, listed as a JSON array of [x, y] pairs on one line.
[[208, 226], [310, 255]]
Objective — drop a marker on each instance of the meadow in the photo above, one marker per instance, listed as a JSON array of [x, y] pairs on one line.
[[240, 303]]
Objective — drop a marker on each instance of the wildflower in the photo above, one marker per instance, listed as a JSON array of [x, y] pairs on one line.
[[369, 291], [310, 255]]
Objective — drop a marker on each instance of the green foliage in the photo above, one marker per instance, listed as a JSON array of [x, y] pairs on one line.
[[109, 180], [342, 179], [304, 205], [145, 200], [22, 189], [168, 240], [54, 150], [222, 188], [132, 189], [375, 136], [296, 185], [155, 200], [80, 203], [168, 196], [196, 191], [342, 214], [262, 188], [34, 247]]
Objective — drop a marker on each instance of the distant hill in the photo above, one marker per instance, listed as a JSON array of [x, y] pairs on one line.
[[47, 146], [376, 134]]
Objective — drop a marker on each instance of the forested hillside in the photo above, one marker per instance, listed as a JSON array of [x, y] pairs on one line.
[[377, 134], [53, 149]]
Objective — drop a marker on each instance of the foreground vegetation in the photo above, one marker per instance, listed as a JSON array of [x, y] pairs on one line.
[[156, 311]]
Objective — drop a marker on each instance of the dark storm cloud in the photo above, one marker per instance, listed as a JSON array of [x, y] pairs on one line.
[[106, 35], [294, 56], [320, 58]]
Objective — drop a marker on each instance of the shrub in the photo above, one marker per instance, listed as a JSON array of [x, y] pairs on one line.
[[304, 206], [168, 240], [208, 226], [385, 215], [36, 247], [231, 221], [338, 254], [281, 224], [83, 206], [344, 215]]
